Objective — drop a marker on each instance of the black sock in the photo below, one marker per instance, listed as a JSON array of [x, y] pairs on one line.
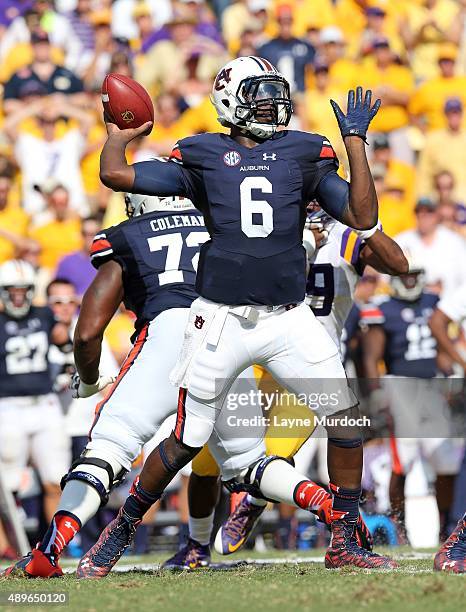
[[138, 501], [347, 501]]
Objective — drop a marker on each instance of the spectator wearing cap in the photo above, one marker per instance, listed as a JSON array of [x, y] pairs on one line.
[[308, 14], [425, 27], [76, 267], [439, 249], [167, 63], [317, 115], [428, 102], [49, 137], [377, 27], [241, 15], [343, 72], [41, 74], [62, 233], [445, 149], [394, 85], [47, 18], [292, 56], [382, 154], [96, 64], [123, 22]]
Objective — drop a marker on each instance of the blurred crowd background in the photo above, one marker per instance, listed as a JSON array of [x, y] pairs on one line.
[[54, 55]]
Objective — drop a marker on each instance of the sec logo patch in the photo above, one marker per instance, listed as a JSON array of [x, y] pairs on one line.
[[231, 158]]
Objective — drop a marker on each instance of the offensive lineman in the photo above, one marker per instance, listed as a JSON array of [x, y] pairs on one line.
[[253, 186]]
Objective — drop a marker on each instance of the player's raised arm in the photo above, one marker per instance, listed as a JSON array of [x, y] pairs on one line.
[[362, 207], [100, 302]]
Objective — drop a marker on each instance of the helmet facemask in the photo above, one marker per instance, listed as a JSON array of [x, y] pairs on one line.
[[264, 103], [408, 286]]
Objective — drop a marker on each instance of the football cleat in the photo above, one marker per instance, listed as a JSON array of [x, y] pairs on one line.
[[113, 542], [452, 555], [35, 564], [191, 556], [238, 527], [345, 550], [364, 538]]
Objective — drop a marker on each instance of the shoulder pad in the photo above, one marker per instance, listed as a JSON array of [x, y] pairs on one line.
[[313, 147], [192, 150]]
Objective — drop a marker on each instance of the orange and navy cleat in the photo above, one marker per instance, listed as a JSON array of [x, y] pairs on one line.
[[452, 555], [238, 527], [326, 514], [345, 550], [191, 556], [35, 564], [113, 541]]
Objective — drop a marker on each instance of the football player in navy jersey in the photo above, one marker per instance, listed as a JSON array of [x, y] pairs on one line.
[[31, 420], [252, 187], [397, 332]]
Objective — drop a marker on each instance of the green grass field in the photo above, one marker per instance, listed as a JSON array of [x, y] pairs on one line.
[[287, 586]]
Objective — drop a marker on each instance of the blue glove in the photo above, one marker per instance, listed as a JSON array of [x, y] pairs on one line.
[[358, 114]]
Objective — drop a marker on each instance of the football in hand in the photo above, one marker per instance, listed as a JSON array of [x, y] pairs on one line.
[[126, 103]]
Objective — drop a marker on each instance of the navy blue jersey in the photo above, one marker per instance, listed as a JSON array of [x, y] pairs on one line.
[[24, 346], [410, 348], [292, 57], [158, 253], [254, 204]]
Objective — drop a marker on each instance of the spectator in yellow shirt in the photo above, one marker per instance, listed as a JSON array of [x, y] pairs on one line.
[[427, 103], [426, 26], [13, 222], [317, 114], [445, 149], [62, 234], [395, 211], [342, 71], [393, 84], [382, 155]]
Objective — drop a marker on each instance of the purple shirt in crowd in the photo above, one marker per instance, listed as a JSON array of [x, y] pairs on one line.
[[77, 268]]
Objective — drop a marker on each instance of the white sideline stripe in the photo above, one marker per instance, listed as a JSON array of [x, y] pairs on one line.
[[147, 567]]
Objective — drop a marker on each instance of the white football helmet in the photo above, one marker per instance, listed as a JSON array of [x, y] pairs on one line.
[[17, 274], [409, 286], [137, 204], [251, 94]]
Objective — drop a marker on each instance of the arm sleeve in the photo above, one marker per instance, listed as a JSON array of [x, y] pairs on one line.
[[159, 178], [101, 249], [332, 193]]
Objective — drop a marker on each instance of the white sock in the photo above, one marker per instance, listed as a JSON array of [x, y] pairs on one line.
[[256, 500], [200, 529]]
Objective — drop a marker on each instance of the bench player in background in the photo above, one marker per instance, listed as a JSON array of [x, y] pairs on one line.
[[452, 308], [253, 187], [31, 419], [337, 256], [397, 333]]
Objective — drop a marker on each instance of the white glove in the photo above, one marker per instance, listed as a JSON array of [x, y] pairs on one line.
[[366, 234], [80, 389]]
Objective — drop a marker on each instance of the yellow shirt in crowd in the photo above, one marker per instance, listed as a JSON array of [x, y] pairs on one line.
[[57, 238], [390, 116], [15, 221], [443, 150], [429, 99]]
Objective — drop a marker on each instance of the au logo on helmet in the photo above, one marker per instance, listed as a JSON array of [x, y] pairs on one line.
[[127, 116], [223, 77], [199, 322]]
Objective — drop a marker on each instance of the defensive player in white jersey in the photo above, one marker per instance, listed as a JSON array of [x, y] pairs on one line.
[[337, 256]]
